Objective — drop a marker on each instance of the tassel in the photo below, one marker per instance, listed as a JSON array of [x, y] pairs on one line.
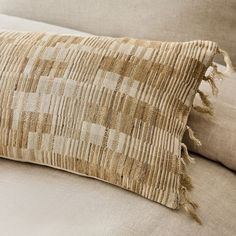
[[210, 80], [185, 156], [186, 185], [215, 73], [203, 110], [189, 206], [192, 136], [186, 181], [191, 211], [228, 62], [208, 106], [182, 160], [204, 99]]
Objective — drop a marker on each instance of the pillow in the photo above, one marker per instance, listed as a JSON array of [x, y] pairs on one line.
[[114, 109], [217, 132]]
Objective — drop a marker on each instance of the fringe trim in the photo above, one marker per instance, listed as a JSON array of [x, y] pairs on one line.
[[192, 136], [207, 108], [186, 159], [189, 206], [228, 62], [211, 81], [186, 181], [215, 74], [186, 204]]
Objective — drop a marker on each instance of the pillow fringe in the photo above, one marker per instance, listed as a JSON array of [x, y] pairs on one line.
[[186, 204], [211, 81], [190, 207], [192, 136], [185, 156], [207, 108], [228, 62], [215, 74]]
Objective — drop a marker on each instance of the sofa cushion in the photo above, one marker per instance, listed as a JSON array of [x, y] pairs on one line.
[[13, 23], [37, 200]]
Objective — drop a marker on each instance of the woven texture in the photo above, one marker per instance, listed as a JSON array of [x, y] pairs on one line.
[[112, 109]]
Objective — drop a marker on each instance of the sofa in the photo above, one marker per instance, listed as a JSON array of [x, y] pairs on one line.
[[37, 200]]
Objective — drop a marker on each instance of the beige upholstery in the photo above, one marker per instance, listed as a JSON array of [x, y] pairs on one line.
[[20, 24], [178, 20], [41, 201]]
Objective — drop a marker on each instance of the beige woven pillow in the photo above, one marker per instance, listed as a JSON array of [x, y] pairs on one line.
[[111, 109]]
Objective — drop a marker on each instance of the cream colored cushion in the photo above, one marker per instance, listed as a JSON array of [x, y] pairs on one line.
[[217, 132], [166, 20], [40, 201]]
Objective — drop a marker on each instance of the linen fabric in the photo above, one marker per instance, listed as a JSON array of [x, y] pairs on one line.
[[109, 108]]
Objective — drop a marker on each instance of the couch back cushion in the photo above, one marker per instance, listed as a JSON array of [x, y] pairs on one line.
[[168, 20]]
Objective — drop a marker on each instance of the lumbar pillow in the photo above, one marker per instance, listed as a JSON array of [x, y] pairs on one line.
[[108, 108], [218, 131]]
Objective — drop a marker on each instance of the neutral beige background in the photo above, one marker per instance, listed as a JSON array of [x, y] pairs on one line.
[[172, 20]]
